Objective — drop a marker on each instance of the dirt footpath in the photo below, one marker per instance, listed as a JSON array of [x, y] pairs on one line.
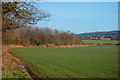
[[11, 62]]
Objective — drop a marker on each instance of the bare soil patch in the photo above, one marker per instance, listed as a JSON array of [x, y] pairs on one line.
[[10, 61]]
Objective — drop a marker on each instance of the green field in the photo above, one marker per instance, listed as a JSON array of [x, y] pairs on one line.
[[77, 62], [101, 41]]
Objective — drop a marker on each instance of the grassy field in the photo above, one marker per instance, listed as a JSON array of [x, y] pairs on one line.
[[14, 74], [77, 62], [101, 41]]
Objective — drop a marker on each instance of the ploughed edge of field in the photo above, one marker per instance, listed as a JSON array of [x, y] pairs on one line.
[[25, 66], [13, 62]]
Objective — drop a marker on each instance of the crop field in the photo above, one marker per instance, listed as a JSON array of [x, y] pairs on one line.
[[74, 62], [101, 41]]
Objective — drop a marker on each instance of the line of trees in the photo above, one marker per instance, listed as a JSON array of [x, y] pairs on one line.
[[17, 17], [39, 36]]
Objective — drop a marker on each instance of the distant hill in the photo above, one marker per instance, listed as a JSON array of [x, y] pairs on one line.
[[98, 35], [106, 33]]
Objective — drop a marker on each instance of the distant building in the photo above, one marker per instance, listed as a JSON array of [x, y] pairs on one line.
[[95, 38], [99, 38], [105, 38]]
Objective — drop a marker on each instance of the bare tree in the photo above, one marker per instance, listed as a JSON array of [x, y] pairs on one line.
[[20, 14]]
